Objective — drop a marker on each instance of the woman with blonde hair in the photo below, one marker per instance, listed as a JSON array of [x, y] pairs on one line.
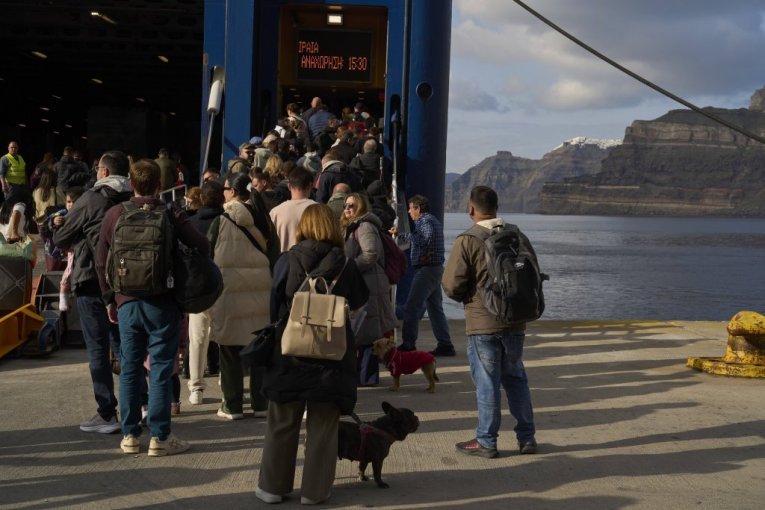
[[363, 244], [325, 389]]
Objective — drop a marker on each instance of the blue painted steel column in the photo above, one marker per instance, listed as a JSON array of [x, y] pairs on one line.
[[214, 55], [428, 101], [237, 118]]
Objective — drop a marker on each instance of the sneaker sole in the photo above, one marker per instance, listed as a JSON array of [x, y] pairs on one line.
[[130, 450], [155, 452], [102, 429], [230, 416]]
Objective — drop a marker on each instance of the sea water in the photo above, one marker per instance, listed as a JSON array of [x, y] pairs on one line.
[[622, 268]]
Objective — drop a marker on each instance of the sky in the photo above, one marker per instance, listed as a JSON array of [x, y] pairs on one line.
[[517, 85]]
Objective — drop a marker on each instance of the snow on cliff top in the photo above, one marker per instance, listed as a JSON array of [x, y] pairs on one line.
[[583, 140]]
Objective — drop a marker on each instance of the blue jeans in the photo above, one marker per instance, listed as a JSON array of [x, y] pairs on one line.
[[425, 293], [495, 360], [100, 335], [150, 325]]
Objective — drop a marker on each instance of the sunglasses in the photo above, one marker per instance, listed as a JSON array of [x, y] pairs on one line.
[[349, 206]]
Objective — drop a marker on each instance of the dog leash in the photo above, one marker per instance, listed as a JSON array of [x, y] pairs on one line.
[[365, 429]]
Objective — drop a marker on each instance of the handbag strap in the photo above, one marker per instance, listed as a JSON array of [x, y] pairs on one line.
[[245, 232]]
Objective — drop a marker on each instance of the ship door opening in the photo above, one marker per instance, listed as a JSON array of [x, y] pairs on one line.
[[336, 53]]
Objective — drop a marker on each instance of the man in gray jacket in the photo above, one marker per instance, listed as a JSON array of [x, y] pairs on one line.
[[78, 231], [495, 349]]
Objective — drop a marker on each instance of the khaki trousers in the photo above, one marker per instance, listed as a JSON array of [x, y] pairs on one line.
[[277, 467], [199, 340]]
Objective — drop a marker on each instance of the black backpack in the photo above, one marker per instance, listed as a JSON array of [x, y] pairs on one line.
[[512, 291], [140, 259]]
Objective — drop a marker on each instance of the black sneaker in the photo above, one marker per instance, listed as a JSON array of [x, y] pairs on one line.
[[443, 351], [527, 447], [473, 447], [406, 348]]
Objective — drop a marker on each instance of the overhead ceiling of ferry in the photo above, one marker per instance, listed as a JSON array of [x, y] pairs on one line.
[[146, 54]]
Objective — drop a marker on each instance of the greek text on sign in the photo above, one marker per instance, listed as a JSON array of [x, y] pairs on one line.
[[334, 55]]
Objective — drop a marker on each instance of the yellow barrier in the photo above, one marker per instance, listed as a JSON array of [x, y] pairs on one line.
[[15, 328]]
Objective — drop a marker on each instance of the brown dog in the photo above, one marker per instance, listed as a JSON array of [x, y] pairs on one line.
[[399, 362], [370, 442]]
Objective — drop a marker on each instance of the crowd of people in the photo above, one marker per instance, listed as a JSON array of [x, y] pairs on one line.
[[307, 199]]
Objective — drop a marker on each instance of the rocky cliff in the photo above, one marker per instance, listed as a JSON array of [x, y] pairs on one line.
[[679, 164], [519, 180]]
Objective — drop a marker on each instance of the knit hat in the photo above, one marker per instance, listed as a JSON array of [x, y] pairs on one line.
[[246, 145], [256, 140]]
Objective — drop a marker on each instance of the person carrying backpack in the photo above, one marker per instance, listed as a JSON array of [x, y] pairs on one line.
[[495, 340], [78, 231], [134, 261]]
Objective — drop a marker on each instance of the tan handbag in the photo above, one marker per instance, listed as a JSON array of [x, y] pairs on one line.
[[316, 324]]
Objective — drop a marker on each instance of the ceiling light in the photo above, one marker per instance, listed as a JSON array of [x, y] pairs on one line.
[[104, 17], [163, 58], [56, 132], [45, 108], [140, 99], [68, 126], [172, 113], [39, 54], [21, 125], [84, 137], [45, 120], [54, 96], [334, 19], [96, 80]]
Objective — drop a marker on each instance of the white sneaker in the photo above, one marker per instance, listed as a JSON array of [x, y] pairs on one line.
[[130, 444], [267, 497], [169, 446], [230, 416], [196, 397]]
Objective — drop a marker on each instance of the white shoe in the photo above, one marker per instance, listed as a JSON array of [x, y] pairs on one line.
[[230, 416], [308, 501], [267, 497], [130, 444], [169, 446], [196, 397]]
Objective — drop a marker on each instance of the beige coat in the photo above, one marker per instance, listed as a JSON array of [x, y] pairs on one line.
[[244, 305]]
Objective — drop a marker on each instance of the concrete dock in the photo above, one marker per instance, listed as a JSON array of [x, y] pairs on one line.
[[621, 423]]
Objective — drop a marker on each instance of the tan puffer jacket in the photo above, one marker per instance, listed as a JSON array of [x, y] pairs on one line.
[[244, 305]]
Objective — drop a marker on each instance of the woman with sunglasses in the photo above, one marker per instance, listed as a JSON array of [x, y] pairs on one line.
[[364, 245]]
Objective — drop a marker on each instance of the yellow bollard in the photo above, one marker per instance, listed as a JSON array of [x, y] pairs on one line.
[[745, 353]]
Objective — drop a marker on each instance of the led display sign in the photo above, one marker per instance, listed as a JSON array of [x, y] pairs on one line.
[[334, 55]]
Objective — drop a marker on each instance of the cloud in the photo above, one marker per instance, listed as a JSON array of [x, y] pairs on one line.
[[466, 95]]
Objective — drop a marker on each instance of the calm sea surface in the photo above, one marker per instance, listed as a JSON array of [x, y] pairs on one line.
[[621, 268]]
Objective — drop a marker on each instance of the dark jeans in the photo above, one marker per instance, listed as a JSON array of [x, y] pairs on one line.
[[100, 335]]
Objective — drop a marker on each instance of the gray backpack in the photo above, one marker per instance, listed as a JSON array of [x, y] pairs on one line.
[[140, 259]]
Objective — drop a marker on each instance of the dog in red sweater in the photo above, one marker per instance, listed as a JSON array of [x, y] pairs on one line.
[[399, 362]]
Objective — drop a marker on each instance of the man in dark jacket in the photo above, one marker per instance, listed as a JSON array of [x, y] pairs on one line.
[[333, 172], [367, 164], [495, 349], [79, 231], [148, 324], [69, 172], [344, 148]]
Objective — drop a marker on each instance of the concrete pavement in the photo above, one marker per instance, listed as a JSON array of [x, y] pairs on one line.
[[622, 423]]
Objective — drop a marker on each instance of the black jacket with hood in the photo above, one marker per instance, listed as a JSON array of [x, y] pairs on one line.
[[81, 227], [288, 378]]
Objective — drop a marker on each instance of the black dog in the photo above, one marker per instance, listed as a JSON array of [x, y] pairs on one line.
[[370, 442]]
